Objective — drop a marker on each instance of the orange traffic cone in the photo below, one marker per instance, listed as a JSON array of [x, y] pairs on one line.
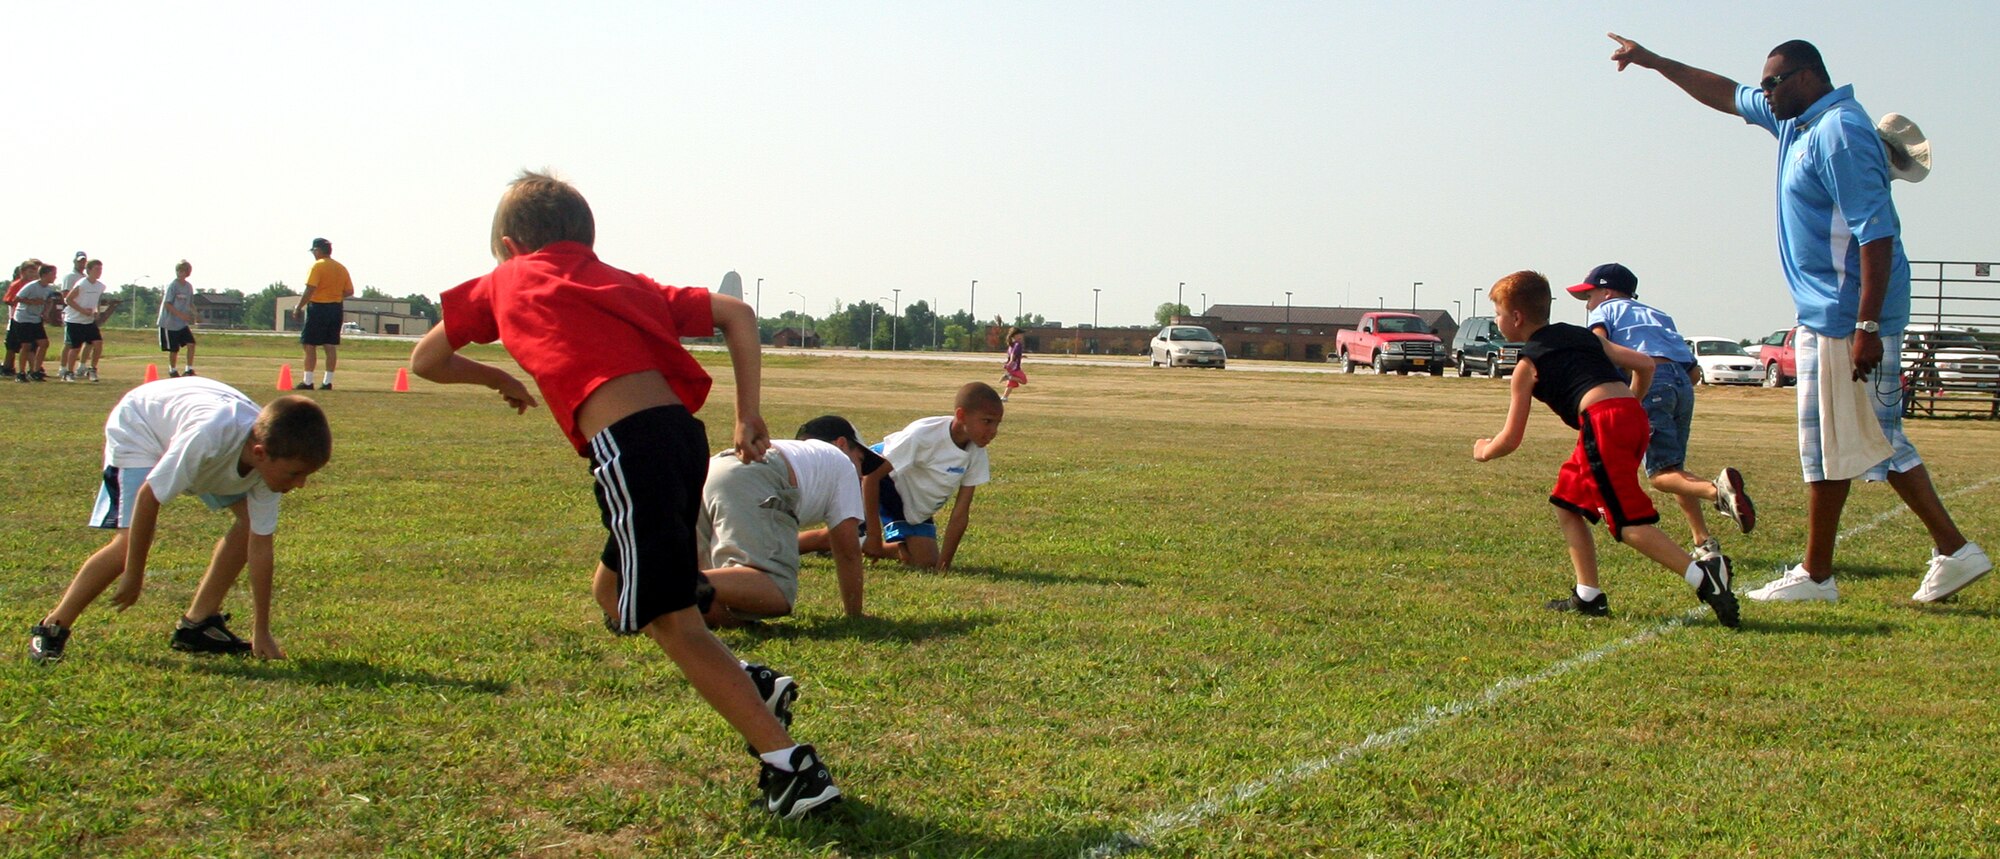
[[402, 385], [152, 373], [284, 377]]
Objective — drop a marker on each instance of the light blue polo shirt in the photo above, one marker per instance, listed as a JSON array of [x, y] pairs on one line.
[[1641, 328], [1833, 197]]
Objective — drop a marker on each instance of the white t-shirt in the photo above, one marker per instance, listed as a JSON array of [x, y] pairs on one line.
[[829, 486], [87, 293], [190, 431], [929, 467], [70, 280]]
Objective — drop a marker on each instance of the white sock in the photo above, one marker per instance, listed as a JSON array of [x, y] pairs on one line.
[[328, 378], [782, 758], [1588, 593], [308, 377], [1694, 575]]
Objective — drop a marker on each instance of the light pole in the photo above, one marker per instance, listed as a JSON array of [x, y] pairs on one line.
[[132, 297], [1413, 295], [1094, 291], [972, 303], [895, 304], [757, 309], [1288, 307], [1019, 305], [1381, 303], [1177, 296], [1461, 309], [937, 324], [1286, 343], [802, 317], [1475, 299], [1204, 304]]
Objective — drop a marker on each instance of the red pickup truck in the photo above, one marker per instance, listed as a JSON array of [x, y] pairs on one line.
[[1775, 357], [1390, 341]]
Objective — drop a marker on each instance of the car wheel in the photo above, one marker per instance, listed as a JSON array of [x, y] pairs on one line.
[[1772, 378], [1346, 362], [1380, 364], [1463, 371], [1492, 368]]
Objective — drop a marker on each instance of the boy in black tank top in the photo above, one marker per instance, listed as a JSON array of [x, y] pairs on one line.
[[1577, 374]]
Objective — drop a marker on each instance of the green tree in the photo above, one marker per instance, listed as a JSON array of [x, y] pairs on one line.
[[260, 308], [1165, 313], [954, 337], [422, 305], [141, 305], [375, 294]]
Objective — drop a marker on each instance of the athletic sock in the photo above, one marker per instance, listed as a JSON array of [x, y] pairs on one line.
[[1588, 593], [328, 378], [1695, 575], [308, 377], [782, 758]]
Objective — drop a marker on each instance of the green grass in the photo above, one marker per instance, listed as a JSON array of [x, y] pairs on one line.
[[1177, 583]]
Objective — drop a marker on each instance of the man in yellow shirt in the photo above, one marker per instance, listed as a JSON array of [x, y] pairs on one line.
[[327, 285]]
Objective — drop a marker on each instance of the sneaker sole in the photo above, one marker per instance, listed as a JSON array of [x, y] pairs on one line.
[[1954, 591], [1746, 511], [807, 805], [780, 703]]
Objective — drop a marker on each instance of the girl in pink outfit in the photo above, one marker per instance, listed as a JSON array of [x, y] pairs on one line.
[[1011, 374]]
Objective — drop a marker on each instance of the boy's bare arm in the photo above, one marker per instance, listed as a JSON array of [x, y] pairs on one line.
[[435, 360], [961, 516], [845, 541], [1640, 364], [1520, 397], [738, 324], [138, 542], [262, 561], [871, 510]]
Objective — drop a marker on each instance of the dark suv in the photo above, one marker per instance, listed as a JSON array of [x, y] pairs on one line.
[[1478, 345]]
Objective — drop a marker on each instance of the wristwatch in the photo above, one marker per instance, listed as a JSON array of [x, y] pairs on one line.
[[1868, 325]]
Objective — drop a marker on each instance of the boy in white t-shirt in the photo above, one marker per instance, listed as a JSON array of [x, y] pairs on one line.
[[84, 305], [200, 437], [747, 533], [926, 464]]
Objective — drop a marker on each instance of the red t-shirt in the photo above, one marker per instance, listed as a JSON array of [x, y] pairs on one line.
[[14, 289], [575, 323]]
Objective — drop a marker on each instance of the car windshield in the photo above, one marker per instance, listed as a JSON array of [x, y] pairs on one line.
[[1943, 340], [1718, 347], [1190, 334], [1401, 325]]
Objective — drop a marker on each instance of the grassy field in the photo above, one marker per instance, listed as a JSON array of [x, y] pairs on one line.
[[1197, 614]]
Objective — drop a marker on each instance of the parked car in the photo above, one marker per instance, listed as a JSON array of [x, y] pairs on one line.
[[1390, 341], [1722, 361], [351, 328], [1186, 346], [1478, 344], [1775, 355], [1959, 358]]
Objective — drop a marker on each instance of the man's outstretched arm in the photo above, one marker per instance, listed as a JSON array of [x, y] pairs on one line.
[[1707, 87]]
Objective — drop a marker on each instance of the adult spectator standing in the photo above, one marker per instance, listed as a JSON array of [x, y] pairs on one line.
[[76, 273], [1840, 243], [327, 286]]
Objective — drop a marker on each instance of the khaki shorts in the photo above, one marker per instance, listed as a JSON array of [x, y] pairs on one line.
[[749, 518]]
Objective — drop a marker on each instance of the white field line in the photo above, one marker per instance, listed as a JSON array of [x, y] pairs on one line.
[[1163, 824]]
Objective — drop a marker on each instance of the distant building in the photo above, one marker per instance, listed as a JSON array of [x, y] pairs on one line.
[[384, 316], [732, 285], [218, 309], [790, 338]]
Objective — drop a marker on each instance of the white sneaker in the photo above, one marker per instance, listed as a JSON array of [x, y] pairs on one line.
[[1706, 549], [1796, 586], [1949, 574]]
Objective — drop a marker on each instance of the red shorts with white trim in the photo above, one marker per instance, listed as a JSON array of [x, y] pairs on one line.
[[1600, 482]]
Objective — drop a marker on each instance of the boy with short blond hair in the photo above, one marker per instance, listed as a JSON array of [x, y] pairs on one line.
[[1577, 374], [926, 464], [194, 437], [27, 328], [627, 402], [176, 320]]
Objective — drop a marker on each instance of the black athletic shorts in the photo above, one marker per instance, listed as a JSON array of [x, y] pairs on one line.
[[649, 469], [79, 333], [322, 324], [21, 334], [176, 338]]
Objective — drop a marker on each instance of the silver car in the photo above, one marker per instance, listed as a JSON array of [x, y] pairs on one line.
[[1186, 346]]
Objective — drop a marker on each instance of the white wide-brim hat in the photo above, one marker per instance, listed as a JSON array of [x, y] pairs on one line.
[[1909, 152]]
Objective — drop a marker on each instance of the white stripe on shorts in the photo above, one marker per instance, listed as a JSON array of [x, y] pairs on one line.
[[618, 498]]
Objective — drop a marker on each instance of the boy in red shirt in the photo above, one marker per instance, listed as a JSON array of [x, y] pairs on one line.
[[627, 403], [1579, 376]]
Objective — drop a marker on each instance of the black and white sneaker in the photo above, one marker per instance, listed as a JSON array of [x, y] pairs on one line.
[[1733, 501], [209, 636], [778, 692], [1600, 607], [46, 642], [1714, 590], [807, 788]]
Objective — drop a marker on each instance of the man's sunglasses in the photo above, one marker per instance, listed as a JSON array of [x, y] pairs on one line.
[[1777, 80]]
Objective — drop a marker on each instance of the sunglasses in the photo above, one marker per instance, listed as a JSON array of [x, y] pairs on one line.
[[1777, 80]]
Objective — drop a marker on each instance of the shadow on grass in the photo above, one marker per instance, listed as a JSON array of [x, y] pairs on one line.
[[857, 827], [1951, 608], [330, 672], [871, 628], [1768, 626], [1039, 577]]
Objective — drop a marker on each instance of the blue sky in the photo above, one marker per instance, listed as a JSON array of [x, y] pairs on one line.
[[840, 150]]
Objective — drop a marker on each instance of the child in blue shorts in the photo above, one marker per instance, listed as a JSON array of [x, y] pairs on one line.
[[926, 464]]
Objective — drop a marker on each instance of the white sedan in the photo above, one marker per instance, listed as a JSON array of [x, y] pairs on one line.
[[1722, 361], [1186, 346]]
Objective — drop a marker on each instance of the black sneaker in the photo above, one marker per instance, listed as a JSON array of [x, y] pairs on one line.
[[188, 372], [173, 373], [1599, 607], [7, 368], [778, 692], [21, 377], [326, 386], [808, 788], [208, 636], [45, 643], [303, 386], [1714, 590], [39, 376]]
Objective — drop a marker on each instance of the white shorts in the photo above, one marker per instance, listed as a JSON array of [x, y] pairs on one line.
[[749, 518], [1885, 394]]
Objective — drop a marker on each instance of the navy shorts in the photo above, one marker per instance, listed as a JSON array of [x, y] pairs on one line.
[[21, 334], [649, 468], [322, 326]]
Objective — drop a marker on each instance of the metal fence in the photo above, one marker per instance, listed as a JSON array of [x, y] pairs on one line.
[[1951, 350]]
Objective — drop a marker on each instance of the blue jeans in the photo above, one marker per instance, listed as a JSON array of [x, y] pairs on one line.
[[1670, 409]]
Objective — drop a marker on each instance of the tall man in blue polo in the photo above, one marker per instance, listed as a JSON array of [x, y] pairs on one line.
[[1840, 242], [322, 306]]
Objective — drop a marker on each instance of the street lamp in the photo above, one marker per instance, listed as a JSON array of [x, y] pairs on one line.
[[895, 304], [1475, 299], [1177, 297], [1204, 304], [937, 323], [1288, 307], [1381, 303], [1094, 291], [972, 303], [803, 319], [1461, 308], [1018, 305], [132, 297], [1413, 295], [757, 309]]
